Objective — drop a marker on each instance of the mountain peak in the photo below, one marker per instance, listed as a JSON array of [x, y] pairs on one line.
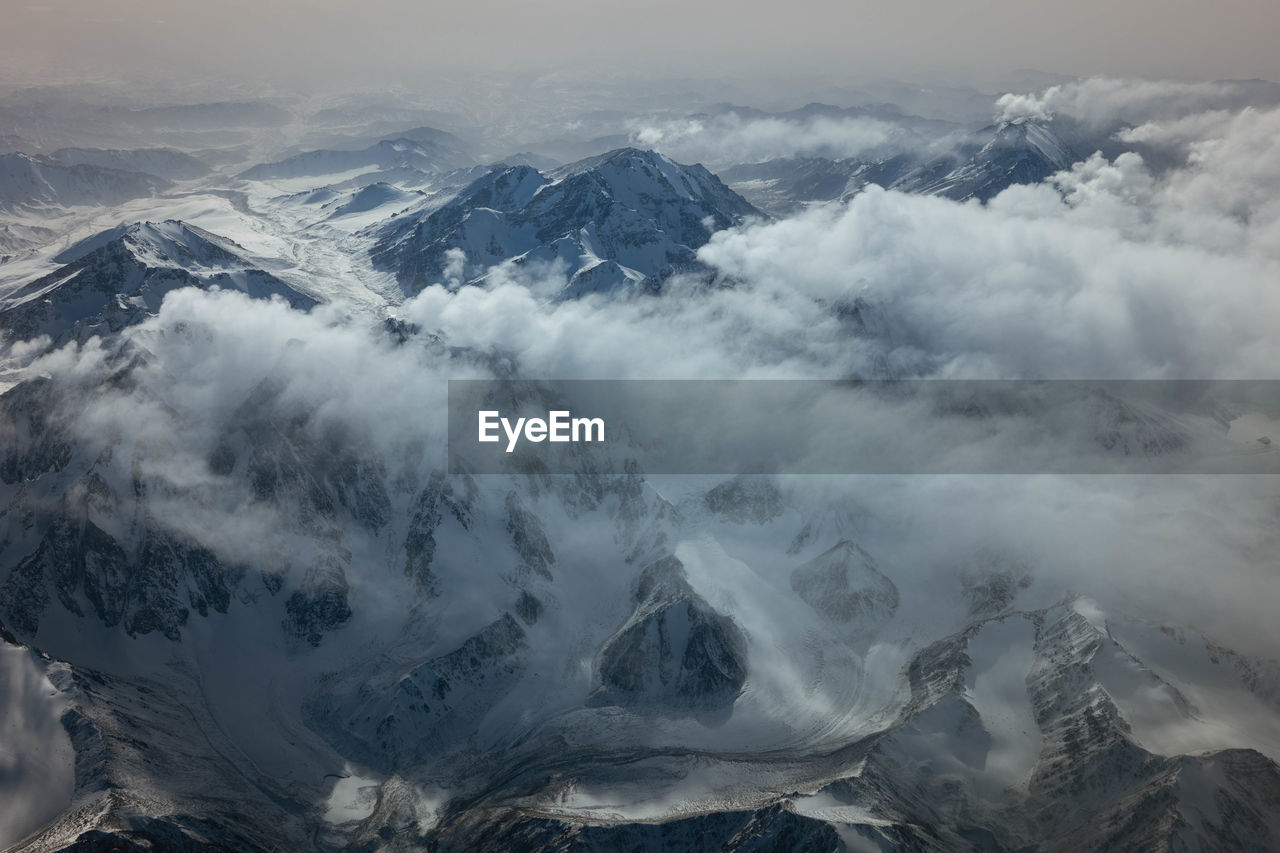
[[1034, 136], [174, 243], [120, 276], [613, 220], [627, 157], [640, 163]]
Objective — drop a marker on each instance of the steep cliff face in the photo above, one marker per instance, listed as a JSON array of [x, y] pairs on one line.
[[1011, 741], [439, 499], [97, 551], [675, 652]]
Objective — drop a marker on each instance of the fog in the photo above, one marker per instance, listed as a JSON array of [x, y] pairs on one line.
[[326, 44]]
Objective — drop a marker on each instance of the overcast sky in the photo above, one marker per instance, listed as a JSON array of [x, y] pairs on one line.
[[304, 43]]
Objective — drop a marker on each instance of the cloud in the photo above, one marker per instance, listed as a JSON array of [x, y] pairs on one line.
[[1104, 101], [1177, 131], [213, 363], [730, 138], [1109, 271]]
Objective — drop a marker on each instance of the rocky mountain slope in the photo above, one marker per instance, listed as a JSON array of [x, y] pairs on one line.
[[32, 183], [121, 276], [614, 222], [562, 659]]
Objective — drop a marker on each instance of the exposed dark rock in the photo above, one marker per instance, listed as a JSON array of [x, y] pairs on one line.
[[764, 831], [319, 605], [438, 497], [845, 586], [636, 215], [33, 441], [528, 538], [746, 500], [528, 608], [674, 652], [398, 717]]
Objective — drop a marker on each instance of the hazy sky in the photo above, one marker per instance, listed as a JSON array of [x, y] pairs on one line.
[[328, 42]]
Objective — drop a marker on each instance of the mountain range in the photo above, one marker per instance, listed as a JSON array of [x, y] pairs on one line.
[[1014, 152], [235, 616]]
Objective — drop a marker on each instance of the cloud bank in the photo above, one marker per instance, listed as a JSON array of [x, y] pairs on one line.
[[1109, 271], [731, 138], [1101, 101]]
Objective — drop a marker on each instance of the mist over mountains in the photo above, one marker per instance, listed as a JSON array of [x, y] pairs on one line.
[[246, 605]]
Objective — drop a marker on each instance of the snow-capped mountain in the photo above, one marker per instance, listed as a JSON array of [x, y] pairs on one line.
[[1021, 151], [245, 604], [121, 276], [30, 182], [613, 222]]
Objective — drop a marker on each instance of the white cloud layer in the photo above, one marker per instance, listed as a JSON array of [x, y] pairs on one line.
[[731, 138], [1108, 272], [1102, 101]]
